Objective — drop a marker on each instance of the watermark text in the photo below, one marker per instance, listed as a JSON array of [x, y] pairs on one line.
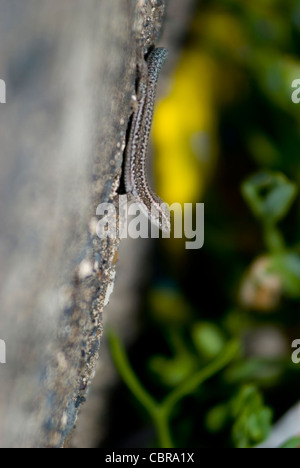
[[296, 92], [131, 219], [2, 352], [2, 92], [296, 353]]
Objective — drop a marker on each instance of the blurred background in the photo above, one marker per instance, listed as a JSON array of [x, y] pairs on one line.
[[199, 348], [212, 365]]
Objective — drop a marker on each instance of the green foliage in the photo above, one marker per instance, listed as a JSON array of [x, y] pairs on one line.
[[208, 339], [173, 371], [287, 265], [270, 196], [252, 419], [161, 413], [219, 392], [246, 413], [292, 443]]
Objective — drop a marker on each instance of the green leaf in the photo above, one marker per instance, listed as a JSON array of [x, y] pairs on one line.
[[172, 372], [252, 418], [269, 195], [294, 442], [216, 418], [208, 339], [259, 424], [287, 266]]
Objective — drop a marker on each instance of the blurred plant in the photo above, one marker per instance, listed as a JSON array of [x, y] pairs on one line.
[[292, 443], [161, 412], [229, 113], [208, 342], [270, 196], [249, 417], [252, 419]]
